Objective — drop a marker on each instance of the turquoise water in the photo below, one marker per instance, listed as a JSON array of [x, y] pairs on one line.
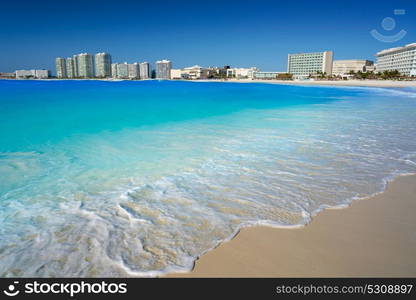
[[140, 178]]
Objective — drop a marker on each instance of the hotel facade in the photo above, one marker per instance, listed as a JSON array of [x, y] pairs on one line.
[[102, 65], [145, 70], [38, 74], [241, 73], [85, 65], [134, 71], [266, 75], [301, 65], [163, 68], [192, 73], [60, 67], [70, 68], [122, 70], [343, 67], [402, 59]]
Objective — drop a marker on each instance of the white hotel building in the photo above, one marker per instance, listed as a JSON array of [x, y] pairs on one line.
[[402, 59], [102, 65], [134, 70], [301, 65], [60, 67], [163, 68], [122, 70], [242, 73], [145, 70], [344, 67], [38, 74]]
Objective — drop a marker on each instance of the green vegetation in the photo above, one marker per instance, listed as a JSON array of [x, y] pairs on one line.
[[385, 75]]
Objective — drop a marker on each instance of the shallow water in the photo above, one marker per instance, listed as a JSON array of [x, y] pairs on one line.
[[139, 178]]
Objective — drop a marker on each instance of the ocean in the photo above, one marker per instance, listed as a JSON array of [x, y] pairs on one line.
[[140, 178]]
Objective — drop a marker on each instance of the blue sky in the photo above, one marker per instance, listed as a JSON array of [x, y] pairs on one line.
[[238, 33]]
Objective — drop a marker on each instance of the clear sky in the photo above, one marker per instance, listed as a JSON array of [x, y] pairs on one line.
[[238, 33]]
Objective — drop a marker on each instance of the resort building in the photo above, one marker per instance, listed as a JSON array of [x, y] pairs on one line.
[[70, 68], [42, 74], [145, 70], [7, 75], [134, 71], [102, 65], [37, 74], [343, 67], [114, 70], [302, 65], [214, 72], [76, 69], [402, 59], [163, 68], [193, 73], [85, 65], [176, 74], [241, 73], [60, 67], [266, 75], [123, 70]]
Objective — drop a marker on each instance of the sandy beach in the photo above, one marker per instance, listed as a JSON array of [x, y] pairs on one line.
[[374, 237], [352, 83]]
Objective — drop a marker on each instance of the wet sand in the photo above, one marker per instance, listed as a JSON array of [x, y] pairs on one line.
[[374, 237]]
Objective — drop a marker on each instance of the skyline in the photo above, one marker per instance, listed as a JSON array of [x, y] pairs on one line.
[[238, 34]]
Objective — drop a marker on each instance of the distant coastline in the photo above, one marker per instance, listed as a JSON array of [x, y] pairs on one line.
[[351, 83]]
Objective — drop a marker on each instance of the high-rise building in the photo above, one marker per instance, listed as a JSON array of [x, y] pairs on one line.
[[123, 71], [102, 65], [134, 71], [85, 65], [114, 70], [60, 67], [305, 64], [76, 66], [70, 70], [145, 70], [343, 67], [402, 59], [163, 68]]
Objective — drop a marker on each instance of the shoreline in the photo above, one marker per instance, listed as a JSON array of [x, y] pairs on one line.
[[339, 83], [360, 240]]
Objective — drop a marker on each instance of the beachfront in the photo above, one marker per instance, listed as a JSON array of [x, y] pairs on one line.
[[358, 83], [372, 238], [351, 83], [160, 183]]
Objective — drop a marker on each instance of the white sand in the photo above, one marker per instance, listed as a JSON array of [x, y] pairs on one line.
[[374, 237]]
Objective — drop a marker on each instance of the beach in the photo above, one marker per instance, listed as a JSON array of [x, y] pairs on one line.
[[352, 83], [162, 172], [373, 237]]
